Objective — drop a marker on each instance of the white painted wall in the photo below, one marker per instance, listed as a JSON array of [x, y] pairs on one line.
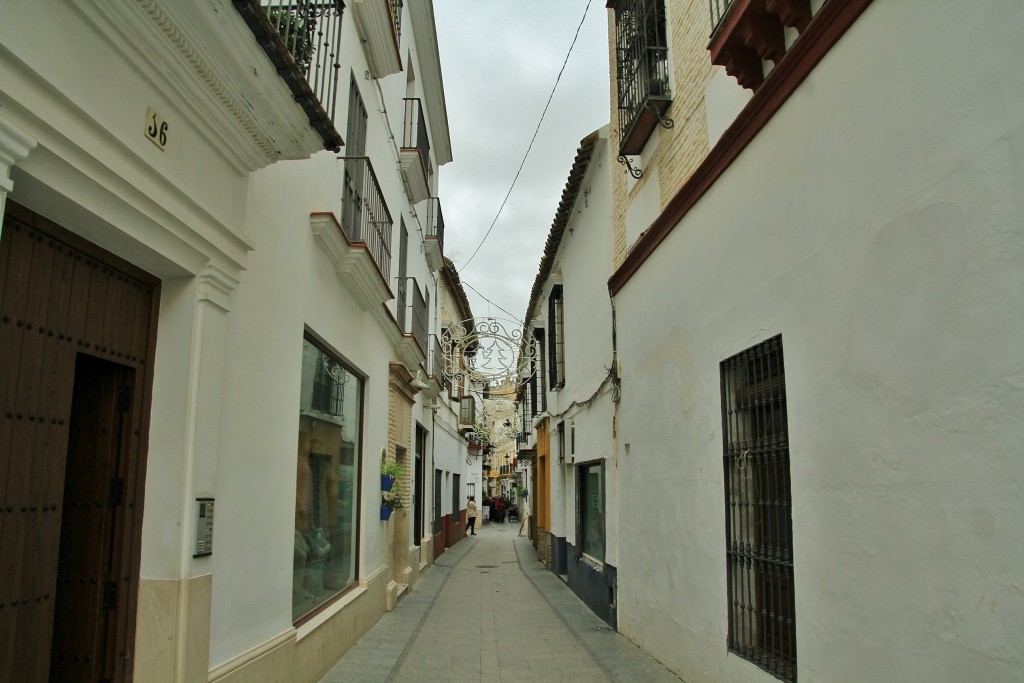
[[880, 233], [226, 391], [583, 260]]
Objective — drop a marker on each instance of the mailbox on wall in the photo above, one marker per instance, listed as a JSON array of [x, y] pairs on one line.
[[204, 527]]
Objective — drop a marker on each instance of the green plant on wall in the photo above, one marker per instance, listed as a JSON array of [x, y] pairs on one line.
[[392, 500], [295, 34], [390, 468]]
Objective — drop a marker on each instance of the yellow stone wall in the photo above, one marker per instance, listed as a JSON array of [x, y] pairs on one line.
[[679, 150]]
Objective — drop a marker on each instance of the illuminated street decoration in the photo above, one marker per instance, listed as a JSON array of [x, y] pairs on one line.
[[488, 352]]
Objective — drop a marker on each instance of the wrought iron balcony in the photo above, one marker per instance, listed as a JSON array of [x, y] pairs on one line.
[[718, 9], [412, 312], [642, 72], [364, 214], [435, 235], [415, 151], [301, 38], [380, 26], [436, 360]]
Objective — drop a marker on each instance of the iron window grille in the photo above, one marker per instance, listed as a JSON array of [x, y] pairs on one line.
[[758, 520], [328, 390], [556, 339], [642, 71]]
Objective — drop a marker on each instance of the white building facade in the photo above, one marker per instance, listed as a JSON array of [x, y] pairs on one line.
[[817, 287], [569, 402], [236, 319]]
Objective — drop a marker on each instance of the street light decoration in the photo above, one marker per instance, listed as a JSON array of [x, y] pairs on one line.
[[487, 352]]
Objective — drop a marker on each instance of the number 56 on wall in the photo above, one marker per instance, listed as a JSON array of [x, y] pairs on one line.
[[156, 128]]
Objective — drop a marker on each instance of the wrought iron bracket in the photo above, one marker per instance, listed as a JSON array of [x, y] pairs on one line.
[[665, 121], [635, 172]]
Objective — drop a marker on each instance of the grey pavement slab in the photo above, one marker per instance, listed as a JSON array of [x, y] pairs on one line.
[[488, 610]]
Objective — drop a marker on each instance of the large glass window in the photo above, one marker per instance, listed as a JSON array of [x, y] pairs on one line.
[[326, 495], [590, 504]]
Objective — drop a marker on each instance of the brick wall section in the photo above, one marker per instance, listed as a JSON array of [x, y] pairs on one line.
[[544, 547], [399, 429], [681, 148]]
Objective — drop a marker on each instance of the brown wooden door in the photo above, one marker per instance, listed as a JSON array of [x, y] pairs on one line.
[[69, 313], [92, 528]]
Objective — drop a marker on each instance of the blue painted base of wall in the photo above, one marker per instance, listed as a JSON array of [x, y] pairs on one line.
[[559, 555], [594, 585]]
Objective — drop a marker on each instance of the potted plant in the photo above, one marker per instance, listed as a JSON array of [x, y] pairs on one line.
[[656, 87], [291, 26], [388, 504], [389, 472]]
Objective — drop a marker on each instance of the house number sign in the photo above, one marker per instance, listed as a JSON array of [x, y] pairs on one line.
[[156, 128]]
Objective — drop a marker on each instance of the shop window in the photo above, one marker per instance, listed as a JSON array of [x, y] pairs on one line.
[[590, 510], [326, 519]]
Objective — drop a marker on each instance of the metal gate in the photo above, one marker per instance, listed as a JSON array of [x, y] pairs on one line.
[[77, 331]]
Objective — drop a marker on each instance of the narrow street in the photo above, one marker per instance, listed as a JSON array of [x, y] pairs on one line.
[[489, 610]]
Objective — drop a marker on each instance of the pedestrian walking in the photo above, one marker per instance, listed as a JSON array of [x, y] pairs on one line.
[[471, 512]]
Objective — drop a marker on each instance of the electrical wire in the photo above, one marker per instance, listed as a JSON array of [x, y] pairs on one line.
[[532, 140], [514, 317]]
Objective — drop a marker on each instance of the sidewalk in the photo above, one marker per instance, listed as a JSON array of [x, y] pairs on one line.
[[489, 611]]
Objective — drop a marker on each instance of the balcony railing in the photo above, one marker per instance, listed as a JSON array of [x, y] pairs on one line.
[[302, 40], [718, 9], [435, 235], [436, 360], [364, 215], [641, 56], [415, 152], [415, 132], [412, 311]]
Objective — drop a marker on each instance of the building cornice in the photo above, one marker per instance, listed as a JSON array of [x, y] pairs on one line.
[[425, 31]]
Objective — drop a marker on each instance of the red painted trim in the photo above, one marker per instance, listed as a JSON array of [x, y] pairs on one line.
[[729, 28], [824, 31]]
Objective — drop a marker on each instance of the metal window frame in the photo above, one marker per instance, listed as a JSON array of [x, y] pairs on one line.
[[642, 71], [758, 504], [556, 338]]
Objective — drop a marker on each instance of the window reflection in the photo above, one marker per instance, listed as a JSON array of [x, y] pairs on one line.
[[326, 484]]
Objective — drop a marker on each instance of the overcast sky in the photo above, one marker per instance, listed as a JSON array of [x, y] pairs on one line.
[[500, 59]]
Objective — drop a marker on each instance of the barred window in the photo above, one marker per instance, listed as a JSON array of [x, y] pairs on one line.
[[556, 339], [641, 70], [759, 527]]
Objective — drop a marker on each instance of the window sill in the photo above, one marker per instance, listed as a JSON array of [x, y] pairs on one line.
[[596, 564], [651, 114], [318, 619]]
